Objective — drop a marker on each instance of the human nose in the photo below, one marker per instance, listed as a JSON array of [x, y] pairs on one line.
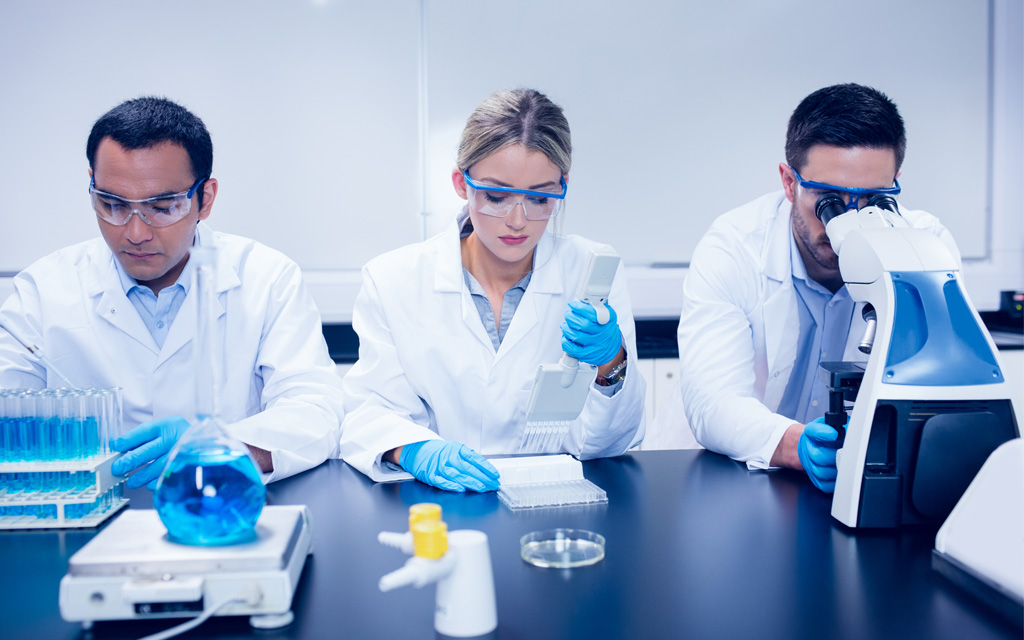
[[136, 230], [516, 218]]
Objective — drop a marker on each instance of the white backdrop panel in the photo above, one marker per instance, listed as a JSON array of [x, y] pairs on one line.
[[312, 107], [679, 109]]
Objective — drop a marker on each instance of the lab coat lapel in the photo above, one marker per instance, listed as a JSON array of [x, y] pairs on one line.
[[112, 305], [545, 282], [780, 315], [183, 329], [449, 280]]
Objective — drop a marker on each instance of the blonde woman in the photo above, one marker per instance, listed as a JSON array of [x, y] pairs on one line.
[[451, 330]]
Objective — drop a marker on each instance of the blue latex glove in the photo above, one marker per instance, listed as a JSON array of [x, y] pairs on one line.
[[147, 443], [586, 340], [817, 451], [449, 465]]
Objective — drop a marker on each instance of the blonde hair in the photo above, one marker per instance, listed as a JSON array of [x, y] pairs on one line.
[[520, 116]]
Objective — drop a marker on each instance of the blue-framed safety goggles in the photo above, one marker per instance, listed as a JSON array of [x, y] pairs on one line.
[[498, 201], [850, 195], [158, 211]]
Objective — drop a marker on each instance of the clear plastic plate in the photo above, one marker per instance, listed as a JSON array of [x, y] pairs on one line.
[[562, 548]]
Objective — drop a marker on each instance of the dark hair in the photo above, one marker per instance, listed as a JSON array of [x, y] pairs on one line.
[[845, 115], [145, 122]]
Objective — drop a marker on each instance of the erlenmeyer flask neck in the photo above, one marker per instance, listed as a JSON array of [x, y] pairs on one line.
[[208, 345]]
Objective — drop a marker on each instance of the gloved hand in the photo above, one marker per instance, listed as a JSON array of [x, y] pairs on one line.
[[147, 443], [449, 465], [817, 450], [586, 340]]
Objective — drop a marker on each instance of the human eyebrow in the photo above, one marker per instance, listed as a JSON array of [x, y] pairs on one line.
[[549, 183], [165, 194], [495, 182]]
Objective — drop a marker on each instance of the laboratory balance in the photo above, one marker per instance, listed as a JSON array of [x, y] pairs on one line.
[[132, 571]]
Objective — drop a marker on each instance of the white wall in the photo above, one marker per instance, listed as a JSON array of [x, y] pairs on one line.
[[335, 122]]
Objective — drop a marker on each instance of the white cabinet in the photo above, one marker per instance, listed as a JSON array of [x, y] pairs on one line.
[[667, 427]]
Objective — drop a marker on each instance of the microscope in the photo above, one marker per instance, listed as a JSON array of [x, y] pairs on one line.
[[931, 401]]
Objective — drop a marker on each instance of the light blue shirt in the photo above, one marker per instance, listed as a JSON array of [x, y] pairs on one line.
[[157, 312], [509, 304], [824, 328]]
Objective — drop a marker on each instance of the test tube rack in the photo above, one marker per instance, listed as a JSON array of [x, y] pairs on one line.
[[55, 458]]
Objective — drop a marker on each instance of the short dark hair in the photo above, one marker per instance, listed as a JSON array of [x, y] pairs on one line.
[[145, 122], [845, 115]]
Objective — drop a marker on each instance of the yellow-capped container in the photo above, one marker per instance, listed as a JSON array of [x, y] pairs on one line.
[[424, 512], [430, 539]]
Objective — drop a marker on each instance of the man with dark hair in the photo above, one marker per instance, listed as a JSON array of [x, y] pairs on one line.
[[118, 311], [764, 301]]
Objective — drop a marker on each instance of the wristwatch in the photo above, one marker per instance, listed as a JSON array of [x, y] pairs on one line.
[[615, 376]]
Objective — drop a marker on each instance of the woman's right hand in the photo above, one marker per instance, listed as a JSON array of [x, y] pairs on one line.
[[449, 465]]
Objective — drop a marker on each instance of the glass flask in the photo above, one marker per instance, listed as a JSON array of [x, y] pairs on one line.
[[210, 491]]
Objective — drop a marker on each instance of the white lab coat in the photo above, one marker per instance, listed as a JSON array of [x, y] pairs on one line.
[[279, 391], [427, 368], [738, 331]]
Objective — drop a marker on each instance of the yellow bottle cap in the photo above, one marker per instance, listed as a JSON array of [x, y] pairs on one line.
[[430, 539], [424, 512]]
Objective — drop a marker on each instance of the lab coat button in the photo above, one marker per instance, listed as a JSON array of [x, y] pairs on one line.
[[160, 325], [814, 403], [113, 311]]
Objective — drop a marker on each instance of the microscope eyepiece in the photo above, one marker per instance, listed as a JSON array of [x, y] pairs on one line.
[[883, 201], [829, 206]]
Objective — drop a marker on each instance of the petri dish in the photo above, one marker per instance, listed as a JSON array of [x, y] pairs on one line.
[[562, 548]]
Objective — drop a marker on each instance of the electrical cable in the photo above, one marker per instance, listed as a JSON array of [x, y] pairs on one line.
[[247, 598]]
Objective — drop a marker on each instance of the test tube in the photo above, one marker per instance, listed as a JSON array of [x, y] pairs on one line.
[[70, 412], [111, 424], [47, 425], [5, 421], [26, 433]]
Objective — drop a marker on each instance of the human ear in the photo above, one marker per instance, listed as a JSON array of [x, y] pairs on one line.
[[209, 193], [459, 182], [788, 181]]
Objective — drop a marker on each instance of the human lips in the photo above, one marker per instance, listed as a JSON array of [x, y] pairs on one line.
[[513, 240], [135, 254]]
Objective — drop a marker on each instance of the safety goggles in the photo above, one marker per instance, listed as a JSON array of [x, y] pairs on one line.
[[498, 202], [158, 211], [850, 196]]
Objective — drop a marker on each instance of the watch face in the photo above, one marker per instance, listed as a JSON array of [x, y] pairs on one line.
[[616, 375]]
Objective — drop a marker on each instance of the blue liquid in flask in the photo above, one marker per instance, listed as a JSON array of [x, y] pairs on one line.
[[210, 496]]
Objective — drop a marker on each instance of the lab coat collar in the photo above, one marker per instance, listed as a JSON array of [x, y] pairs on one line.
[[547, 277], [777, 264], [448, 270], [448, 276], [111, 304]]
